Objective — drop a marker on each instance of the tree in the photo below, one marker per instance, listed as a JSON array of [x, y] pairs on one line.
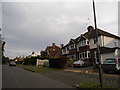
[[3, 45], [4, 59]]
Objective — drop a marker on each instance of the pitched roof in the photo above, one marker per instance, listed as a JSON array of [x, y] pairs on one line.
[[92, 34]]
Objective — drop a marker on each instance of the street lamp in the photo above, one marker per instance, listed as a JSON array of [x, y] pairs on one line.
[[98, 46]]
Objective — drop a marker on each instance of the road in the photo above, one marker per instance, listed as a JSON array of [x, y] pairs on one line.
[[17, 77], [14, 77]]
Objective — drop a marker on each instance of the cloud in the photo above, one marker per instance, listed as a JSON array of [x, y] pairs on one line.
[[33, 26]]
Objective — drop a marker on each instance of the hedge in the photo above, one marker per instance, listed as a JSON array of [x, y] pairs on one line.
[[30, 61], [58, 62]]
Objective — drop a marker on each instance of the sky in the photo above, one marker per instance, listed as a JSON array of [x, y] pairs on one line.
[[32, 26]]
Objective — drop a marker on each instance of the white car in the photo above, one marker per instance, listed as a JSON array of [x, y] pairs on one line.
[[78, 63], [12, 63]]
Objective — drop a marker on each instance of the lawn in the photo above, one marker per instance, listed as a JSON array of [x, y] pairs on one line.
[[92, 85], [38, 68], [34, 69]]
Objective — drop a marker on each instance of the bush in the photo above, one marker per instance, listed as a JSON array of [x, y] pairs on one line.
[[70, 62], [74, 59], [30, 61], [19, 62], [58, 62], [44, 57]]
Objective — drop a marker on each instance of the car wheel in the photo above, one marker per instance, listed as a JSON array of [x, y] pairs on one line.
[[74, 66], [105, 71]]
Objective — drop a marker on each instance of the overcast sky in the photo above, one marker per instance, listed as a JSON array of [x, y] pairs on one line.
[[32, 26]]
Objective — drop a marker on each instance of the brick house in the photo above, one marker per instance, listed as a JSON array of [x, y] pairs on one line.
[[52, 51], [85, 45]]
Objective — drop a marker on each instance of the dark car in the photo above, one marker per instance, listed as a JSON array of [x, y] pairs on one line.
[[111, 64], [12, 63]]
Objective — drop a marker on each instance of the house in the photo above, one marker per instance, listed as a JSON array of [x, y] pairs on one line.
[[84, 46], [52, 51], [32, 55], [70, 49]]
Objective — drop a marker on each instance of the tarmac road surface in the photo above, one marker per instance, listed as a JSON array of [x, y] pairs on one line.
[[14, 77]]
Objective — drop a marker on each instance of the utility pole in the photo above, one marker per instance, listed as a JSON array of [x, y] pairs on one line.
[[98, 46], [0, 48]]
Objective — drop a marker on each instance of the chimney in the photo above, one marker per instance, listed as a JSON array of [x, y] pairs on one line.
[[53, 44], [33, 52], [61, 45], [90, 28]]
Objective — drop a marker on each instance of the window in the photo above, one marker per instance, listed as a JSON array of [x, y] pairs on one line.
[[86, 54], [83, 55], [96, 57], [110, 60], [80, 55], [63, 50], [74, 45], [80, 44], [67, 48], [119, 61], [84, 43], [87, 42], [115, 44], [95, 40]]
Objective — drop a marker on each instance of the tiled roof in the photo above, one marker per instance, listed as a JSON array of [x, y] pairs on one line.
[[92, 34]]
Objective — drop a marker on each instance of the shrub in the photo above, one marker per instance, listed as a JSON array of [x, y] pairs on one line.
[[30, 61], [74, 59], [19, 62], [58, 62], [44, 57], [70, 62]]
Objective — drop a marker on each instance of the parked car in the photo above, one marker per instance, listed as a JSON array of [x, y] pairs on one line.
[[78, 63], [12, 63], [82, 62], [111, 64]]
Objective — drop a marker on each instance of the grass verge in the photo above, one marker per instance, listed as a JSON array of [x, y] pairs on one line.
[[49, 69], [91, 85], [34, 69]]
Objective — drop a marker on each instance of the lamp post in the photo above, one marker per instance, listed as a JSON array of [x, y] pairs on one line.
[[98, 46]]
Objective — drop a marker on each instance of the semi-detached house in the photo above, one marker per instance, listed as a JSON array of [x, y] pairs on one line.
[[84, 46]]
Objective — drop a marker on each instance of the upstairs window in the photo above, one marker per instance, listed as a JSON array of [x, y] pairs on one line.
[[63, 50], [67, 48], [95, 40], [82, 43], [87, 42]]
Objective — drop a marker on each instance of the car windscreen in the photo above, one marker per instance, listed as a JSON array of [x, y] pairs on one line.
[[119, 61], [12, 62], [110, 60]]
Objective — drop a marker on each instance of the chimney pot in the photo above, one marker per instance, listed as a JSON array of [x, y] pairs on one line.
[[53, 44], [90, 28], [61, 45]]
